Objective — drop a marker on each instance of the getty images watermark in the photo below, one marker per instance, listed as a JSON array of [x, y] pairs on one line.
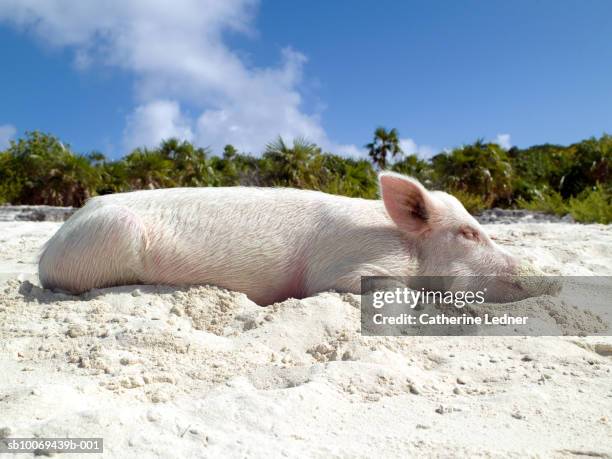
[[413, 298], [486, 305]]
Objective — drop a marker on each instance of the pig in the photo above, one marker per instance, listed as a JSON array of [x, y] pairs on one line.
[[269, 243]]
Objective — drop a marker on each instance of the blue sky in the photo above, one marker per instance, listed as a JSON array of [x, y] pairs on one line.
[[442, 72]]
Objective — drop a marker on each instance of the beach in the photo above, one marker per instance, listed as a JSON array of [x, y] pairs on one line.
[[203, 372]]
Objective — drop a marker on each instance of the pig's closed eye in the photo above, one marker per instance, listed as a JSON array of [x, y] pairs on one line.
[[469, 234]]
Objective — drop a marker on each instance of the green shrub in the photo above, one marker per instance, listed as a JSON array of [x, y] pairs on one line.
[[10, 183], [481, 169], [592, 206], [547, 201], [415, 167], [40, 169], [473, 203]]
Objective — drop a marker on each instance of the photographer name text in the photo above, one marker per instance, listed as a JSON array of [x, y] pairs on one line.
[[443, 319]]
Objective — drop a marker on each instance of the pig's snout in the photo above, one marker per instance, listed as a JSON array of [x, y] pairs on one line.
[[527, 281], [526, 268]]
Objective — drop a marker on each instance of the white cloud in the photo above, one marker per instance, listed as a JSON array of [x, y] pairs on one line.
[[410, 147], [503, 140], [176, 51], [264, 105], [352, 151], [7, 132], [155, 121]]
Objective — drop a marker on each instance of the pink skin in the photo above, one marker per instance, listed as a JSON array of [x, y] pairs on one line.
[[270, 244], [449, 241]]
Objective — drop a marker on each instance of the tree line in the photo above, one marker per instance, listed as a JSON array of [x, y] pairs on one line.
[[575, 179]]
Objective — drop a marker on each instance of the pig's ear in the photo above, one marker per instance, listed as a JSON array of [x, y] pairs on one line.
[[408, 203]]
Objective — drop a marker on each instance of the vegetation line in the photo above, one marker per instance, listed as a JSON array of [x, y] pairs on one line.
[[574, 179]]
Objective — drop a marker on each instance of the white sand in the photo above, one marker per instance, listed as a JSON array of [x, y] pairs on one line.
[[201, 372]]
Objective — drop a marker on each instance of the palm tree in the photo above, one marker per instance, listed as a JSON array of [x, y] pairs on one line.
[[229, 152], [290, 164], [148, 169], [385, 143], [189, 163]]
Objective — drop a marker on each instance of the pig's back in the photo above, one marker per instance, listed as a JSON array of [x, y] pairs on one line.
[[240, 208], [255, 240]]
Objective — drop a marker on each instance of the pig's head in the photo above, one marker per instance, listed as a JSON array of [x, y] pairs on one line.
[[450, 242]]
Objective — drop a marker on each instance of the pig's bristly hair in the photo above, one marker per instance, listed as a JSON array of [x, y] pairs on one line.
[[270, 244]]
